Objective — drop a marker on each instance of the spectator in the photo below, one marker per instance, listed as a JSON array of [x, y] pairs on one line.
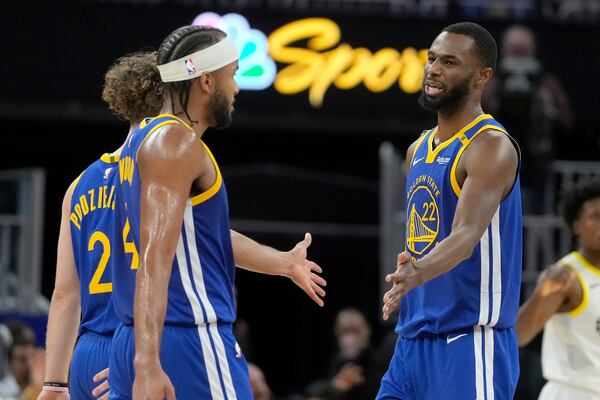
[[532, 105], [354, 372], [258, 383], [21, 356]]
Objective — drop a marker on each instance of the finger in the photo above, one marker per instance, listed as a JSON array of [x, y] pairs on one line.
[[315, 267], [104, 396], [318, 280], [403, 257], [101, 375], [318, 289], [307, 239], [98, 390], [170, 392], [316, 299]]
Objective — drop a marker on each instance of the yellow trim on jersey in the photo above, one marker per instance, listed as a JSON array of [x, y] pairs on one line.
[[419, 141], [169, 122], [145, 122], [584, 288], [76, 181], [214, 189], [177, 118], [107, 158], [588, 265], [432, 153], [453, 180]]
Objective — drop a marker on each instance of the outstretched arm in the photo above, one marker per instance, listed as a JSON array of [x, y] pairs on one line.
[[63, 319], [558, 290], [169, 162], [490, 165], [293, 264]]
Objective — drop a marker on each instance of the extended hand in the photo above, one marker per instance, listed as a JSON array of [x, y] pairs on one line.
[[303, 272], [404, 279], [151, 383], [102, 377]]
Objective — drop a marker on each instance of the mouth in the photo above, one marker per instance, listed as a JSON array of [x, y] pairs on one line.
[[433, 88]]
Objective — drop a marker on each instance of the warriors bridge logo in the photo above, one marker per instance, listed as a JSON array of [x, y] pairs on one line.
[[423, 222]]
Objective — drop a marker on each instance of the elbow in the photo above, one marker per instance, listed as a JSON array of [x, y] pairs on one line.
[[65, 295]]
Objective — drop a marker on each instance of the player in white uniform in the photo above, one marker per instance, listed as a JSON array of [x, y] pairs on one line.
[[566, 304]]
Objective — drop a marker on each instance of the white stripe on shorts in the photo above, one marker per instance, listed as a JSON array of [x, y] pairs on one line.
[[221, 356]]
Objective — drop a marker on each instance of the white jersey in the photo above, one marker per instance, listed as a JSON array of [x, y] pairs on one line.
[[571, 345]]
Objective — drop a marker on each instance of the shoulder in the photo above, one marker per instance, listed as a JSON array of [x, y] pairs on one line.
[[171, 142], [493, 148]]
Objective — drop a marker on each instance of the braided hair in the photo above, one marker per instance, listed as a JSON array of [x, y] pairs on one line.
[[180, 43]]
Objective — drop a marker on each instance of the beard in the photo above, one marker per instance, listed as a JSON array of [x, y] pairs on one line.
[[447, 103], [220, 110]]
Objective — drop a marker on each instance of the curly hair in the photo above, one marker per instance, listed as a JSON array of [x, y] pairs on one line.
[[573, 200], [132, 86]]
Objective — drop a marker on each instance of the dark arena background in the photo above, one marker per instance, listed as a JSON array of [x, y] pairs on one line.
[[312, 156]]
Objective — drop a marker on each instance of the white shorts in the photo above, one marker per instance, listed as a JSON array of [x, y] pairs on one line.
[[559, 391]]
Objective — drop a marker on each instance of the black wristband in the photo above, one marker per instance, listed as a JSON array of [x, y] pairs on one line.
[[56, 384]]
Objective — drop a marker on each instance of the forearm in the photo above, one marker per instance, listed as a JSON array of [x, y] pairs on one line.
[[534, 314], [256, 257], [150, 305], [450, 252], [63, 322]]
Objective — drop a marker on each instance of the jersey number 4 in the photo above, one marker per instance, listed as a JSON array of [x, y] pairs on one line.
[[97, 287]]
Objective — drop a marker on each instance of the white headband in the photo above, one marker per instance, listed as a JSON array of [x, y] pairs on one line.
[[209, 59]]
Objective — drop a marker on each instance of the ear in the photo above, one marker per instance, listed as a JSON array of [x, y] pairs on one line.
[[483, 76], [206, 81]]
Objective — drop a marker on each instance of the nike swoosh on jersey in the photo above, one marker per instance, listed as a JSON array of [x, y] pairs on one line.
[[452, 339], [417, 160]]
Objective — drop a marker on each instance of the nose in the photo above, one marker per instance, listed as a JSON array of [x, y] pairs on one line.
[[236, 89], [434, 68]]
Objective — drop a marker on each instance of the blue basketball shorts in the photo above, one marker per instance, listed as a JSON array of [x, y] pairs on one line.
[[477, 364], [202, 362], [91, 355]]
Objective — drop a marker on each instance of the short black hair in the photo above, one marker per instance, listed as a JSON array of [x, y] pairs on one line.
[[182, 42], [573, 200], [486, 46]]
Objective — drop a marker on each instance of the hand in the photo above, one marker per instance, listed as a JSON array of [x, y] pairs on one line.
[[103, 387], [404, 279], [48, 395], [302, 274], [151, 383], [348, 376], [555, 279]]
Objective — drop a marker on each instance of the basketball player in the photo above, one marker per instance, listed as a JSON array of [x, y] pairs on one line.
[[566, 304], [86, 252], [459, 277], [173, 199]]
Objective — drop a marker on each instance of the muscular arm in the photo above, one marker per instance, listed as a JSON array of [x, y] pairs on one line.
[[293, 264], [558, 290], [169, 162], [489, 166], [63, 319]]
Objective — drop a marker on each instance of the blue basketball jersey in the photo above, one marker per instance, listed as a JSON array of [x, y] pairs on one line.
[[93, 238], [202, 278], [482, 290]]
